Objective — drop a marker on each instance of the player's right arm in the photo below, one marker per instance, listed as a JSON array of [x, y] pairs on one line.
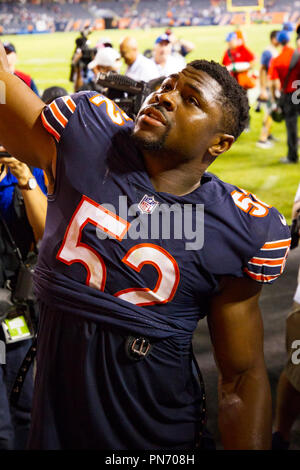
[[21, 129]]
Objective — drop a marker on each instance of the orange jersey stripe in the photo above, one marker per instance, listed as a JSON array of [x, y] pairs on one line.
[[277, 244], [58, 115], [260, 277], [49, 128], [70, 103], [268, 262]]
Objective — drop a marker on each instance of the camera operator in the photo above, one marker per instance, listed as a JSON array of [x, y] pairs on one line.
[[288, 390], [23, 206], [83, 54], [106, 60]]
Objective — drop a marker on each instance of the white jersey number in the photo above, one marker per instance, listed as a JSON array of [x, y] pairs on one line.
[[73, 250]]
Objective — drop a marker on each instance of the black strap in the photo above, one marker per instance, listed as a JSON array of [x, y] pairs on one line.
[[16, 250], [22, 372], [292, 65]]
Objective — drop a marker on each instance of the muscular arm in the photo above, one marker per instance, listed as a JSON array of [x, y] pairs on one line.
[[21, 129], [244, 393]]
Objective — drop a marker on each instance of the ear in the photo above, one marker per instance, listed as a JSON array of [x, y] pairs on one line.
[[220, 144]]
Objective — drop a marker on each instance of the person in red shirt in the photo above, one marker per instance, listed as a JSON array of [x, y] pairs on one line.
[[239, 59], [278, 71], [12, 58]]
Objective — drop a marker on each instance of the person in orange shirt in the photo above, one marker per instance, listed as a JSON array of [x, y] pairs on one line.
[[278, 72]]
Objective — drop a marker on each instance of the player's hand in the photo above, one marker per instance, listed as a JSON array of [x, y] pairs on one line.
[[4, 67], [20, 170]]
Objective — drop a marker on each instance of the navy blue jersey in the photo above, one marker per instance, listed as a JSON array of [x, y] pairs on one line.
[[119, 259]]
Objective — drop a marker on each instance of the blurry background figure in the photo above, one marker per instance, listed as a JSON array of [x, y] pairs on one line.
[[12, 59], [107, 59], [165, 62], [104, 42], [52, 93], [265, 99], [82, 55], [179, 45], [284, 83], [139, 67], [239, 60], [288, 26], [288, 390], [23, 206]]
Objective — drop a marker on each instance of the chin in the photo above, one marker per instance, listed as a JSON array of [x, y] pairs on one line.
[[147, 140], [148, 143]]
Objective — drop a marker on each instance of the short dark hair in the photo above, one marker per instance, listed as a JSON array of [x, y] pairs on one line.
[[233, 98], [273, 34]]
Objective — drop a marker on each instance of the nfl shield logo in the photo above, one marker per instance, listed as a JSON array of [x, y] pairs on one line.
[[147, 204]]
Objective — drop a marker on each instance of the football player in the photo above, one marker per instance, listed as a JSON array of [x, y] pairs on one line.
[[119, 305]]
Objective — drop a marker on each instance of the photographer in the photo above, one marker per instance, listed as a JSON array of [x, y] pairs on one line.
[[23, 206], [106, 60], [82, 56]]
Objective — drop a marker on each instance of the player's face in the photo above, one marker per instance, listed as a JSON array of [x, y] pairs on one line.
[[182, 116]]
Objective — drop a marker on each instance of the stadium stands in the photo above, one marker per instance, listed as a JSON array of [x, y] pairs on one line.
[[46, 16]]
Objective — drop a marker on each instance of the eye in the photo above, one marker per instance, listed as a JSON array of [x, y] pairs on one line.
[[192, 100], [166, 86]]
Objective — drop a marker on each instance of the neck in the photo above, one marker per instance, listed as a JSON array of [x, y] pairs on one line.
[[179, 180]]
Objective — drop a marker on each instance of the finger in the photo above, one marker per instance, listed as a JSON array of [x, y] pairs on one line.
[[7, 160]]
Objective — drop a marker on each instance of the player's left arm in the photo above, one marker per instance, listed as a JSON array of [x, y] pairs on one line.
[[244, 392]]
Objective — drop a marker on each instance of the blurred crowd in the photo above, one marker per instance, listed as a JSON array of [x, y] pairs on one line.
[[42, 16]]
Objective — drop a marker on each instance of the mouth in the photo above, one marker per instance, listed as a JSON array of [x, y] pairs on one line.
[[153, 116]]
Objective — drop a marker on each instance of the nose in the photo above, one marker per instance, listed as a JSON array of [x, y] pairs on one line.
[[167, 99]]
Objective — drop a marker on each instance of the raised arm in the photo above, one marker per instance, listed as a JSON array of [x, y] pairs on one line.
[[21, 129], [244, 393]]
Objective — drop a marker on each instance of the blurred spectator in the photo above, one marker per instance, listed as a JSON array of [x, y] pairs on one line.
[[107, 59], [139, 66], [23, 206], [239, 60], [288, 391], [265, 96], [12, 61], [283, 82], [162, 56], [179, 45], [104, 42]]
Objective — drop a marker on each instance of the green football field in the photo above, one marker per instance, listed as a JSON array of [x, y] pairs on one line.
[[47, 58]]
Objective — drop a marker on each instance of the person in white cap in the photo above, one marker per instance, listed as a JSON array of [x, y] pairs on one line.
[[107, 59], [165, 62]]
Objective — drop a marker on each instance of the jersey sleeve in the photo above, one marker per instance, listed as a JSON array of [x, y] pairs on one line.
[[269, 261], [56, 116]]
